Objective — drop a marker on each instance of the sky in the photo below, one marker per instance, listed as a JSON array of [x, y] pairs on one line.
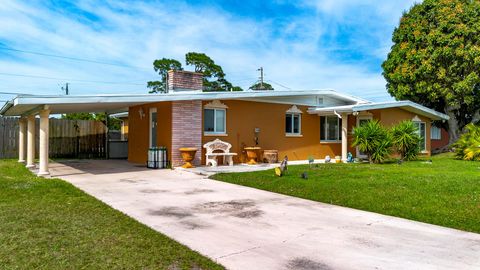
[[107, 47]]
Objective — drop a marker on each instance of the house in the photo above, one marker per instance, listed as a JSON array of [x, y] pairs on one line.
[[298, 124]]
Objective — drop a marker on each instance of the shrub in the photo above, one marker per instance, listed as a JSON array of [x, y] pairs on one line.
[[374, 140], [405, 140], [468, 146]]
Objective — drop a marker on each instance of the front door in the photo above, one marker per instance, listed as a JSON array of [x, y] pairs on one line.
[[360, 121], [153, 127]]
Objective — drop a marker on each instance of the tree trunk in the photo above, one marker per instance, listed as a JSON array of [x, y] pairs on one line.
[[453, 130]]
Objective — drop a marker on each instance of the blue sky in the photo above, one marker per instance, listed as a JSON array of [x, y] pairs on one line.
[[318, 44]]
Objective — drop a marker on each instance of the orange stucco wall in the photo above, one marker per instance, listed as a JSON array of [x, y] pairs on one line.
[[390, 117], [242, 119], [244, 116], [138, 130]]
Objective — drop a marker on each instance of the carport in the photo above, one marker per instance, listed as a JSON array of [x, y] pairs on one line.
[[27, 107]]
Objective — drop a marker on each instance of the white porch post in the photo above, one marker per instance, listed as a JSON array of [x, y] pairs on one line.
[[31, 141], [344, 136], [43, 155], [22, 139]]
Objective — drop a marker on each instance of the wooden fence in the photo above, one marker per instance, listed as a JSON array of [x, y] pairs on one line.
[[68, 138]]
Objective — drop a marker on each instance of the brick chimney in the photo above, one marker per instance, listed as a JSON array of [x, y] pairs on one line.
[[180, 80]]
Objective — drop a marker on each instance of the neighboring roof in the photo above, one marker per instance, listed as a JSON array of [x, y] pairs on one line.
[[26, 104], [406, 105]]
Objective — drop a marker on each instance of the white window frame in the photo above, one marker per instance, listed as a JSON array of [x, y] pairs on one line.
[[215, 132], [338, 130], [150, 126], [424, 150], [439, 133], [294, 134]]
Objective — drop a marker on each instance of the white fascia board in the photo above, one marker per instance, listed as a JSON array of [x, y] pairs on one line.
[[434, 115], [405, 103]]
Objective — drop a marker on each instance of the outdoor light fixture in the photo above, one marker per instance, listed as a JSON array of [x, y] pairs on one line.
[[141, 113], [355, 113]]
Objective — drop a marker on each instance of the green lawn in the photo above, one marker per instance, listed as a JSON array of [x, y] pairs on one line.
[[50, 224], [445, 192]]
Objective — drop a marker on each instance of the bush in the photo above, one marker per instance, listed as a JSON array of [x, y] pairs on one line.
[[405, 140], [468, 146], [374, 140]]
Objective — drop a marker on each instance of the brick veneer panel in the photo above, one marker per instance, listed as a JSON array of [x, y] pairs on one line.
[[180, 79], [186, 129]]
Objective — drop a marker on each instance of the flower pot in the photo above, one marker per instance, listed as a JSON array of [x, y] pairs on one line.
[[270, 156], [188, 155], [252, 154]]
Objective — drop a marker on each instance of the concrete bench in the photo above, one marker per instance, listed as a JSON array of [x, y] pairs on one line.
[[218, 148]]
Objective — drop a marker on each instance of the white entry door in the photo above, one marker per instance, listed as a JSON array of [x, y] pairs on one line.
[[360, 121]]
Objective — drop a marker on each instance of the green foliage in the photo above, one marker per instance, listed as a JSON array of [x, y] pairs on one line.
[[113, 123], [162, 66], [260, 86], [374, 140], [406, 140], [213, 75], [435, 59], [468, 146]]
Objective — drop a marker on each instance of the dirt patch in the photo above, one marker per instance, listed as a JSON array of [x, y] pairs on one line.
[[236, 208], [131, 180], [193, 225], [365, 242], [152, 191], [198, 191], [225, 206], [175, 212], [306, 264], [249, 214]]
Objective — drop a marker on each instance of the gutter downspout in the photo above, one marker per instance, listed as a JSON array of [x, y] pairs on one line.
[[337, 114]]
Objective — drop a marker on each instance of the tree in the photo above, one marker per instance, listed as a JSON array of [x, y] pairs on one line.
[[204, 64], [261, 86], [162, 66], [374, 140], [435, 60], [406, 140], [113, 123]]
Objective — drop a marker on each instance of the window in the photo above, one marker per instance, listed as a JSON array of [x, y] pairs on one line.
[[435, 133], [214, 121], [293, 124], [330, 128], [422, 133]]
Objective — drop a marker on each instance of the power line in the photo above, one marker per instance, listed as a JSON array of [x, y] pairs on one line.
[[279, 84], [74, 58], [67, 79]]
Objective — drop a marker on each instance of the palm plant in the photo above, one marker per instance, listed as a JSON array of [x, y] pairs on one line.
[[468, 146], [374, 140], [406, 140]]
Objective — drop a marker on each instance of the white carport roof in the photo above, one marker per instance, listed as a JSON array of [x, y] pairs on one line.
[[28, 104], [406, 105]]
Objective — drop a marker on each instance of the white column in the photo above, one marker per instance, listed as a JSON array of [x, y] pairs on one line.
[[43, 155], [22, 139], [31, 141], [344, 136]]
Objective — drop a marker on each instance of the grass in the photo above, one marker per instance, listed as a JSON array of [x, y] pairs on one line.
[[445, 192], [50, 224]]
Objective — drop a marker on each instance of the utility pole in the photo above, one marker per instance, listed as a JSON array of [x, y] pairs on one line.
[[65, 89], [261, 77]]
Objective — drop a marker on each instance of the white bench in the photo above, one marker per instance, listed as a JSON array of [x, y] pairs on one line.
[[218, 145]]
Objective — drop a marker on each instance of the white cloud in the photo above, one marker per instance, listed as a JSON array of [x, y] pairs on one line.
[[141, 33]]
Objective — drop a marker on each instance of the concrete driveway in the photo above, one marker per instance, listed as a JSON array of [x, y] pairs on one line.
[[245, 228]]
